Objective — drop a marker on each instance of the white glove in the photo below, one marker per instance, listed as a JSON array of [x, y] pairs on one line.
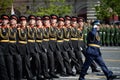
[[95, 26]]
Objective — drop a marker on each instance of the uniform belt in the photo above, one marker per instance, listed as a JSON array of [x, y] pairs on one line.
[[23, 42], [53, 39], [74, 38], [12, 41], [81, 39], [45, 39], [94, 45], [31, 40], [38, 40], [59, 40], [4, 40], [66, 39]]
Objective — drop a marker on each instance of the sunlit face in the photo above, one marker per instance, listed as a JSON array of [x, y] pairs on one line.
[[39, 22], [74, 24], [53, 20], [47, 22], [67, 22], [32, 22], [23, 22], [5, 21], [13, 22], [98, 27], [61, 23], [81, 23]]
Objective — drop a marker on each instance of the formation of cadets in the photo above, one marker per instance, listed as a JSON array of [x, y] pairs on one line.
[[42, 47]]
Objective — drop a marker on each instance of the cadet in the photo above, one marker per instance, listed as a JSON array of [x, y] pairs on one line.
[[93, 53], [22, 48], [75, 41], [50, 54], [32, 46], [82, 43], [68, 45], [4, 39], [112, 32], [13, 47], [41, 48], [116, 35], [53, 42]]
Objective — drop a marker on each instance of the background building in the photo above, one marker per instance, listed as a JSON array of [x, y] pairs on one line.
[[84, 8]]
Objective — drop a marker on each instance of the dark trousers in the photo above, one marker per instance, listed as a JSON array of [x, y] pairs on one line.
[[99, 61], [83, 46], [3, 69], [77, 51], [17, 62], [43, 59], [65, 61], [25, 57], [50, 55], [35, 61]]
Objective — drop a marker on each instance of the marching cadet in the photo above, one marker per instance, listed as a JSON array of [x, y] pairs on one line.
[[41, 48], [75, 41], [13, 47], [50, 54], [61, 48], [68, 45], [53, 41], [82, 43], [32, 46], [93, 53], [4, 39], [22, 48], [103, 34]]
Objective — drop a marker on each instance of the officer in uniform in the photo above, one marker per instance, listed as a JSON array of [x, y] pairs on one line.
[[82, 43], [13, 47], [22, 48], [32, 46], [41, 48], [4, 39], [53, 39], [93, 53], [68, 45], [75, 41], [50, 54]]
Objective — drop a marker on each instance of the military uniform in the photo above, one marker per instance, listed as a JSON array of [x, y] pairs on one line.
[[4, 39], [93, 53], [50, 54], [42, 51], [32, 51], [75, 44], [22, 50]]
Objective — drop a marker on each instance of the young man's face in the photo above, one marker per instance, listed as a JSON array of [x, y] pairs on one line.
[[67, 22], [61, 23], [5, 21], [53, 20], [74, 24], [13, 21], [81, 23], [23, 22], [47, 22], [39, 22], [32, 22]]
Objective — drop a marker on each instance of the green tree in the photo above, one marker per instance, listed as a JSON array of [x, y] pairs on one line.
[[5, 5], [58, 7], [107, 8]]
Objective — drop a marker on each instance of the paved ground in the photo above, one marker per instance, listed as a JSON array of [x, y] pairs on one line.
[[111, 56]]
